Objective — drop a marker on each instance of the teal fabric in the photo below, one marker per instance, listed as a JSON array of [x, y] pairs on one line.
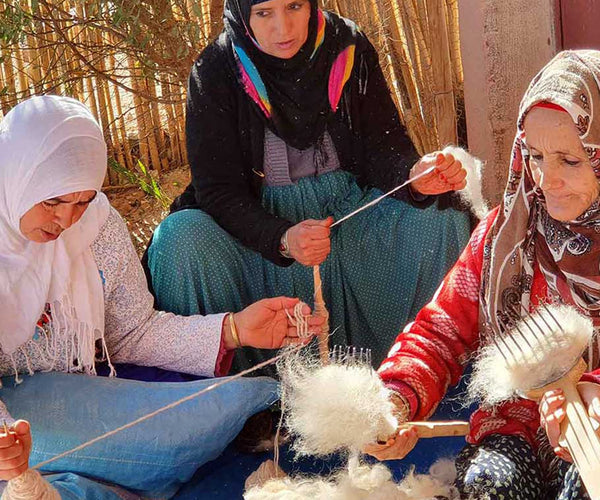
[[385, 263]]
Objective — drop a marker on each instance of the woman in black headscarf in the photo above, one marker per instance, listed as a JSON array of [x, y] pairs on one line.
[[290, 125]]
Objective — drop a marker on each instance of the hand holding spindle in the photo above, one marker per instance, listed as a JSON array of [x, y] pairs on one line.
[[15, 447], [308, 241]]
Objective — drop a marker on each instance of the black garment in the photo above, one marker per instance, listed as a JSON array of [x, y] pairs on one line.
[[225, 136], [298, 88]]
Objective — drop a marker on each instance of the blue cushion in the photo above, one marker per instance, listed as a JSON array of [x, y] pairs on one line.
[[153, 458]]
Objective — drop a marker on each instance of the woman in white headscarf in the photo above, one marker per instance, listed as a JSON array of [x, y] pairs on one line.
[[72, 290]]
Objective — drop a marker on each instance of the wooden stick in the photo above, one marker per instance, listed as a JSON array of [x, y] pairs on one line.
[[160, 164], [321, 310], [431, 429], [577, 433]]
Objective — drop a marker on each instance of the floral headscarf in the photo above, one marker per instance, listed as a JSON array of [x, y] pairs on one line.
[[568, 253]]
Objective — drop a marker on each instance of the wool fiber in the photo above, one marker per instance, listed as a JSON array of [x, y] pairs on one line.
[[362, 481], [519, 365], [472, 194], [336, 407], [29, 485]]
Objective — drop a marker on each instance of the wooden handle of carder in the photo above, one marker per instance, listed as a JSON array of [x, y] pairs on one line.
[[431, 429], [581, 440], [577, 432]]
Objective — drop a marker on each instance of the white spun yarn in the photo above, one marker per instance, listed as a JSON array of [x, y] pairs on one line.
[[471, 194], [497, 377], [335, 407], [29, 486]]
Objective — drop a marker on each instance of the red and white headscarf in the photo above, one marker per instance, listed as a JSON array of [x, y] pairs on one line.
[[568, 253]]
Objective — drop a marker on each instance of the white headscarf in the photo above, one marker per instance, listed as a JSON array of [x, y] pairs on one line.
[[51, 146]]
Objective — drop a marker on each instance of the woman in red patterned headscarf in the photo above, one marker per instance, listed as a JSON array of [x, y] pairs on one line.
[[541, 244]]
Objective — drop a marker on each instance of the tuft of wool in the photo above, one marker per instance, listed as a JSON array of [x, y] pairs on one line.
[[362, 481], [518, 365], [334, 407], [444, 471], [287, 488], [471, 194]]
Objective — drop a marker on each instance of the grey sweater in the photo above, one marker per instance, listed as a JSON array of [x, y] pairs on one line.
[[134, 331]]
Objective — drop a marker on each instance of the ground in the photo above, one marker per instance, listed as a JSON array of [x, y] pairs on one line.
[[142, 212]]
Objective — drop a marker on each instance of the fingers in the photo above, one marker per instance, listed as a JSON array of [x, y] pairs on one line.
[[594, 412], [396, 447], [552, 414], [325, 223], [14, 450], [309, 241], [279, 303], [450, 170], [311, 259], [563, 454], [290, 341], [590, 394], [10, 448], [314, 322], [317, 229], [448, 175], [7, 440]]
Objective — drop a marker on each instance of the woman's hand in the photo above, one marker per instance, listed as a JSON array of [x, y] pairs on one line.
[[265, 324], [402, 442], [308, 241], [14, 450], [449, 174], [553, 412], [396, 447]]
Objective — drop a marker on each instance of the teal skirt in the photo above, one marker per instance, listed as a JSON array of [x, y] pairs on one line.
[[385, 262]]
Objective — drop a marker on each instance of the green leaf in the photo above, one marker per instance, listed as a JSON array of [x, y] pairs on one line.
[[142, 167], [144, 180]]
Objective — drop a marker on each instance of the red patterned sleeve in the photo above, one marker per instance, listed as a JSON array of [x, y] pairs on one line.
[[430, 354], [591, 377]]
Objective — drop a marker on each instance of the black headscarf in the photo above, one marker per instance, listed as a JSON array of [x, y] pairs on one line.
[[297, 88]]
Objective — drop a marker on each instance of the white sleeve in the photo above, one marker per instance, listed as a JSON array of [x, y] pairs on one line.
[[134, 331]]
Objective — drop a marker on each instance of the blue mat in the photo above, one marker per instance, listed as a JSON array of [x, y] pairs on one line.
[[223, 479]]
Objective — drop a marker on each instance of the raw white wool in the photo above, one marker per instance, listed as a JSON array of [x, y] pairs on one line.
[[471, 194], [361, 482], [444, 471], [293, 489], [335, 407], [518, 365]]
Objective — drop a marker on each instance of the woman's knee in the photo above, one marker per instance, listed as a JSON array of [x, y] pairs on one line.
[[188, 237], [500, 467]]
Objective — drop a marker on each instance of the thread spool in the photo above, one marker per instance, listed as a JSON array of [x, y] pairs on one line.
[[29, 486]]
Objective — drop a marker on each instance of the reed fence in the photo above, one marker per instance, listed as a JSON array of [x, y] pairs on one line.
[[129, 62]]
